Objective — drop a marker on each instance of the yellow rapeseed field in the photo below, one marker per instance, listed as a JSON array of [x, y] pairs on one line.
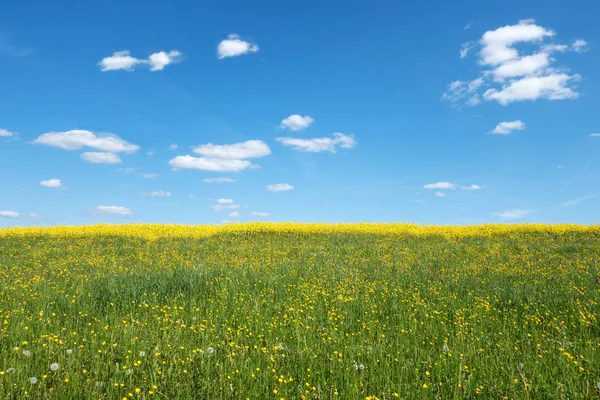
[[300, 311]]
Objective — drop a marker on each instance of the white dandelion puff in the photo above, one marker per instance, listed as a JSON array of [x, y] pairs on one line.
[[361, 367], [142, 353], [54, 367], [355, 366], [69, 352], [129, 372], [521, 365], [445, 348], [33, 380], [210, 350], [26, 353], [10, 370]]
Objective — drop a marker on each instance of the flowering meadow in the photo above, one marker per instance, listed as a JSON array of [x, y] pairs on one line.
[[300, 311]]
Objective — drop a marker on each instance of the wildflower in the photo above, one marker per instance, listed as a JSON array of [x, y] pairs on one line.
[[210, 350], [99, 384], [355, 366], [129, 372], [33, 380], [26, 353], [69, 352], [445, 348], [54, 367], [10, 370], [142, 353], [361, 367], [521, 366]]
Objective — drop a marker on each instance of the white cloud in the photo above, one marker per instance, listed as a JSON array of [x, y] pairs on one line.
[[5, 133], [173, 146], [440, 194], [504, 128], [210, 164], [150, 153], [279, 187], [224, 204], [123, 60], [101, 157], [111, 210], [316, 145], [234, 214], [9, 214], [440, 185], [523, 66], [249, 149], [78, 139], [579, 46], [497, 44], [551, 87], [560, 166], [159, 60], [128, 170], [234, 46], [594, 134], [260, 214], [218, 180], [157, 193], [52, 183], [296, 122], [530, 76], [149, 176], [575, 202], [119, 60], [472, 187], [514, 214]]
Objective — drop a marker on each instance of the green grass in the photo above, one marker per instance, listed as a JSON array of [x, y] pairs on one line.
[[512, 315]]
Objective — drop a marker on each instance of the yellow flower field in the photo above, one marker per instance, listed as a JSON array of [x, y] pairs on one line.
[[300, 311]]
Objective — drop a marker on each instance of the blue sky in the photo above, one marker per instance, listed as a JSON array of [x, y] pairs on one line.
[[317, 111]]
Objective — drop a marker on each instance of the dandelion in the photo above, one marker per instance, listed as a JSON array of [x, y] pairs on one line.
[[26, 353], [142, 353], [99, 384], [69, 352], [33, 380], [10, 370], [210, 350], [521, 366], [445, 348], [54, 367], [361, 367], [129, 372], [355, 366]]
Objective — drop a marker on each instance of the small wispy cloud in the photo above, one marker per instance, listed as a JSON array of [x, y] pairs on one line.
[[218, 180], [279, 187], [576, 202], [505, 128], [111, 210], [513, 214], [157, 193], [260, 214], [440, 185]]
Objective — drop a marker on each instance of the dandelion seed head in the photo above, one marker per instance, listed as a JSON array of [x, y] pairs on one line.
[[26, 353], [10, 370], [129, 372], [142, 353], [54, 367], [69, 352], [210, 350], [33, 380]]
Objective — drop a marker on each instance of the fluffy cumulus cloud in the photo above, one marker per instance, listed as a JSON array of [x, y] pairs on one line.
[[224, 204], [5, 133], [52, 183], [249, 149], [218, 180], [504, 128], [111, 210], [234, 46], [78, 139], [157, 193], [317, 145], [99, 157], [209, 164], [472, 187], [507, 75], [440, 185], [9, 214], [296, 122], [123, 60], [223, 158], [514, 214], [279, 187]]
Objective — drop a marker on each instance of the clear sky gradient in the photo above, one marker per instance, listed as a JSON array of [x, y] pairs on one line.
[[432, 112]]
